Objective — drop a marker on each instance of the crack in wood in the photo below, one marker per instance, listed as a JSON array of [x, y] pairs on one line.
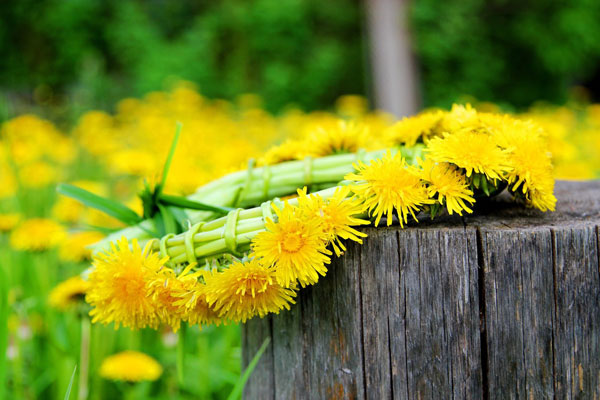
[[485, 366]]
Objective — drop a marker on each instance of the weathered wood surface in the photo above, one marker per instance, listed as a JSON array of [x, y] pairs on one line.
[[503, 304]]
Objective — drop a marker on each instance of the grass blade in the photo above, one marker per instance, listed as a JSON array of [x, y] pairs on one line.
[[167, 165], [182, 202], [107, 206], [236, 393], [68, 393], [168, 220]]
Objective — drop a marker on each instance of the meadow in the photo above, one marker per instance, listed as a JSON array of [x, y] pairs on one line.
[[51, 346]]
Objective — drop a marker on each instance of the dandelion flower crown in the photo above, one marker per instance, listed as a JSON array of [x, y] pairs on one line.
[[254, 238]]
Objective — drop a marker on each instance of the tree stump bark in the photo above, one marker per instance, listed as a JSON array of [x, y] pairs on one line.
[[500, 304]]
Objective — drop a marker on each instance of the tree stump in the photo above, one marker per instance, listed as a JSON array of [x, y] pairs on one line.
[[500, 304]]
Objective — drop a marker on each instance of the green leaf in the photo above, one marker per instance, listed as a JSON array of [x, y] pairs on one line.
[[236, 393], [484, 186], [107, 206], [102, 229], [167, 165], [169, 222], [68, 393], [182, 202], [159, 225], [180, 216]]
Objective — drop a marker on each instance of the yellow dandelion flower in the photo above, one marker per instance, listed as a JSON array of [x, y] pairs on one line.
[[287, 151], [295, 246], [542, 195], [459, 117], [192, 298], [134, 162], [389, 183], [68, 293], [130, 366], [163, 292], [67, 210], [448, 185], [9, 221], [472, 151], [118, 285], [38, 174], [352, 105], [336, 216], [8, 182], [181, 297], [247, 289], [37, 234], [75, 247], [530, 161], [337, 137], [412, 129]]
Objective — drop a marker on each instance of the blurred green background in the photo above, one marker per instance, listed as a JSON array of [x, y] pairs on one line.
[[67, 56]]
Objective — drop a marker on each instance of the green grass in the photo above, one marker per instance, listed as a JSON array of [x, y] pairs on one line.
[[42, 345]]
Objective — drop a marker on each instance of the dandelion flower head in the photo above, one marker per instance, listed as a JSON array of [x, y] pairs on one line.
[[247, 289], [37, 234], [447, 185], [130, 366], [68, 293], [118, 285], [337, 215], [389, 183], [295, 246]]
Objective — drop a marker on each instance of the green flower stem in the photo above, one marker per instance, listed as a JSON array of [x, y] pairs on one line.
[[212, 242], [245, 189]]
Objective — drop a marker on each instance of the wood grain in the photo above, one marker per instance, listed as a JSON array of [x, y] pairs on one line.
[[503, 303]]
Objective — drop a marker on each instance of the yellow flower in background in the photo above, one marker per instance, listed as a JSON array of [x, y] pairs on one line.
[[68, 293], [294, 246], [75, 246], [337, 137], [130, 366], [472, 151], [67, 210], [410, 130], [389, 183], [448, 185], [92, 126], [37, 234], [247, 289], [458, 118], [38, 174], [29, 138], [8, 182], [337, 215], [287, 151], [9, 221], [118, 285], [352, 106], [135, 162]]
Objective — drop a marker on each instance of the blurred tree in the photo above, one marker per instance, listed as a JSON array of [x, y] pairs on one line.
[[505, 51], [303, 51]]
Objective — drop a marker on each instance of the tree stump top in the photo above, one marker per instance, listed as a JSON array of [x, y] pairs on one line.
[[503, 303]]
